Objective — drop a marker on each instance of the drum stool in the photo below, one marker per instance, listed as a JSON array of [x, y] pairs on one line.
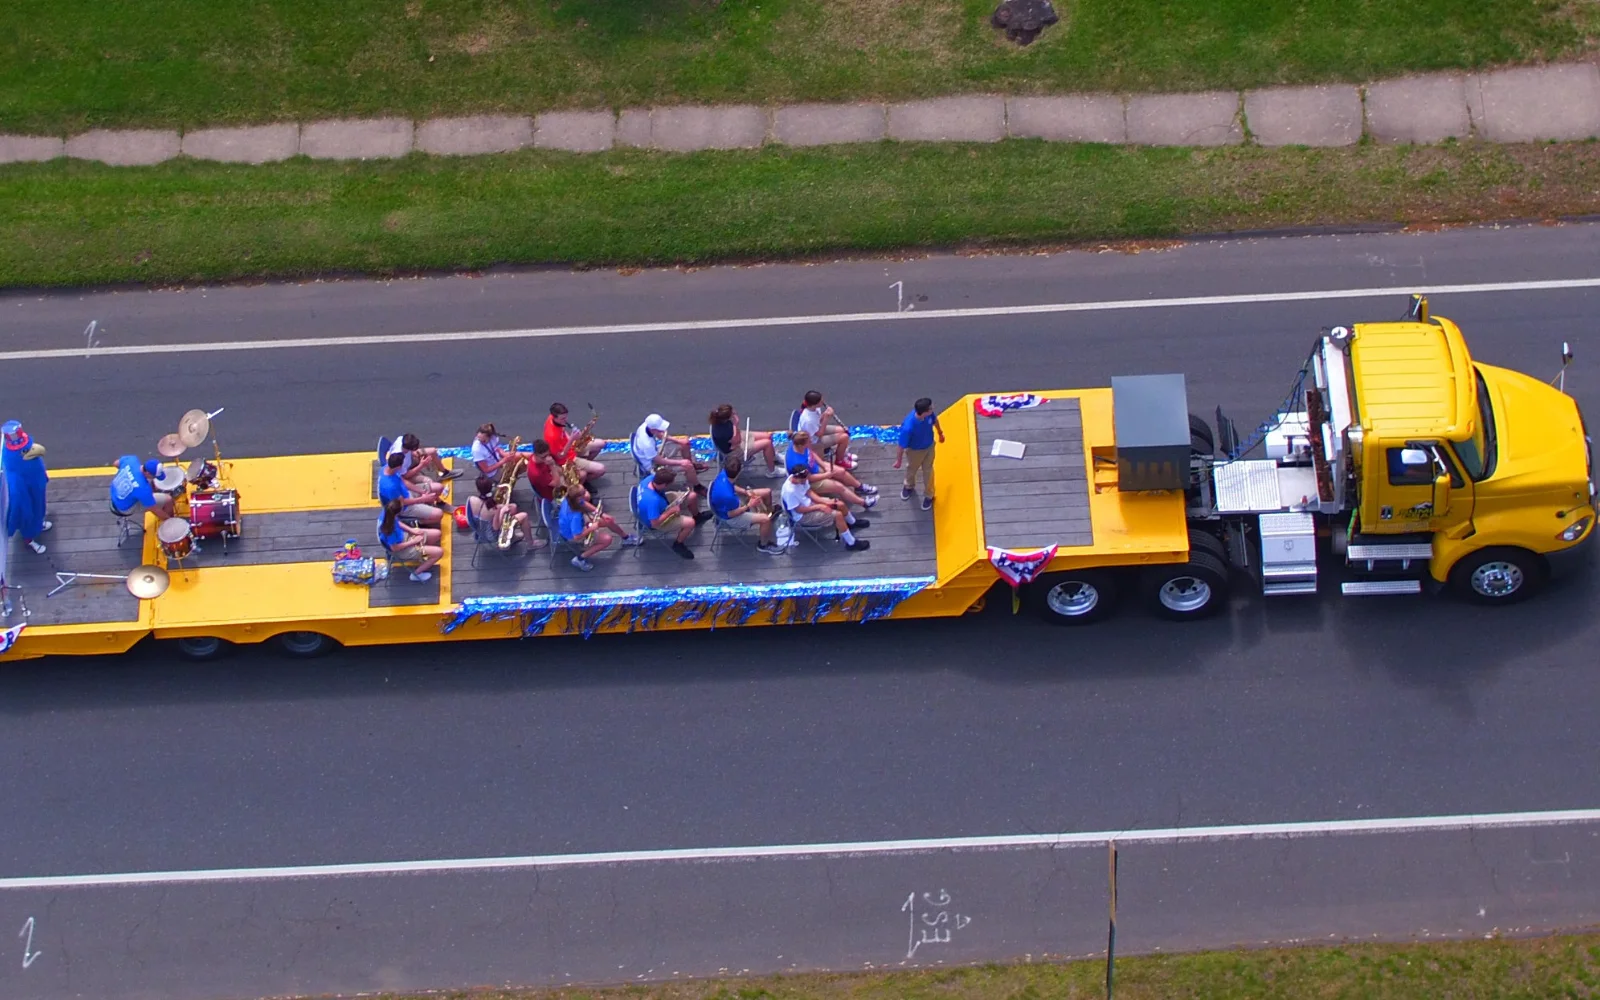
[[125, 524]]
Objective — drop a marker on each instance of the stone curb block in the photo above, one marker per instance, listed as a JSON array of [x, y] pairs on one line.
[[978, 118], [31, 148], [474, 135], [1082, 118], [125, 148], [1419, 109], [255, 144], [1304, 116], [687, 128], [1209, 118], [356, 139], [575, 131], [1536, 103], [829, 124]]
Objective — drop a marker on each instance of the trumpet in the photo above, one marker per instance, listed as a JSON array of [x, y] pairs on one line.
[[591, 523]]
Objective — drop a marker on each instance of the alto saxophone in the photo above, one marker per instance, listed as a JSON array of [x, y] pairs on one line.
[[591, 523], [571, 479]]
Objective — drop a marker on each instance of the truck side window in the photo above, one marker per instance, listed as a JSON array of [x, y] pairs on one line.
[[1403, 473]]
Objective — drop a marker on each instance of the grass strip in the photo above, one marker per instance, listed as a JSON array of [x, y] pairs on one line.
[[78, 223], [68, 66], [1535, 969]]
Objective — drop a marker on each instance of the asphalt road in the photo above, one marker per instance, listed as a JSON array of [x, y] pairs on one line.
[[986, 725]]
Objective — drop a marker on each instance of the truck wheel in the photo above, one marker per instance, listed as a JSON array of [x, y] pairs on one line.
[[1497, 575], [1201, 440], [203, 647], [1211, 545], [1187, 591], [1076, 597], [304, 645]]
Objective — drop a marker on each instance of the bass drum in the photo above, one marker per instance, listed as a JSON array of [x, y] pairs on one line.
[[215, 514]]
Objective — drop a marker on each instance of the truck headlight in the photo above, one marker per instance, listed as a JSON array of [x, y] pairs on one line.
[[1575, 530]]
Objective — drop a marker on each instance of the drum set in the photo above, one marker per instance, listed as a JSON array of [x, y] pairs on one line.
[[204, 505]]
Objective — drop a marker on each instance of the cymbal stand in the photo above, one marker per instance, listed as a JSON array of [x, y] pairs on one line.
[[65, 580]]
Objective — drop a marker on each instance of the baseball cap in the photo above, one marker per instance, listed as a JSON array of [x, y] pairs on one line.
[[153, 467], [656, 422]]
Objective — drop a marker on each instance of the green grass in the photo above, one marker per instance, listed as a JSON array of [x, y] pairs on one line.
[[1537, 969], [69, 64], [71, 222]]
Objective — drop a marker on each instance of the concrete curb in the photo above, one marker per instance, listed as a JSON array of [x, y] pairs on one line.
[[1519, 104]]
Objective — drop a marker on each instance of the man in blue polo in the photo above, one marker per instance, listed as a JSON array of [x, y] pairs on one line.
[[392, 485], [131, 487], [677, 516], [916, 450]]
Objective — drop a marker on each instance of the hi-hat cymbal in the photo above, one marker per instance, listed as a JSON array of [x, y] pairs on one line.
[[193, 428], [171, 446], [148, 582]]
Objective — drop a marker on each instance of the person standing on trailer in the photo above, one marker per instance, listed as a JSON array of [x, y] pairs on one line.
[[916, 450], [26, 483]]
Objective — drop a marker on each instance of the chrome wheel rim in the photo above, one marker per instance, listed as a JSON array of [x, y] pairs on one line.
[[1073, 598], [1185, 594], [301, 642], [1497, 579]]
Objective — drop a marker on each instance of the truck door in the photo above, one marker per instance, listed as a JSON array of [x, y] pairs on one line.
[[1421, 489]]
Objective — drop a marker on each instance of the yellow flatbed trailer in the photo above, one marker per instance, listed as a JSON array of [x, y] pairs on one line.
[[275, 581]]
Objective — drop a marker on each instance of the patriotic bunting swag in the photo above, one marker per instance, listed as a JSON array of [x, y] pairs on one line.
[[1019, 568], [8, 637], [1001, 403]]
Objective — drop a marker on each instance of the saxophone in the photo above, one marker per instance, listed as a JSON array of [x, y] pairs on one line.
[[568, 471], [502, 492], [591, 524], [571, 479]]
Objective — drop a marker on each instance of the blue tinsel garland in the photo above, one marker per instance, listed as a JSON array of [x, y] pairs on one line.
[[883, 434]]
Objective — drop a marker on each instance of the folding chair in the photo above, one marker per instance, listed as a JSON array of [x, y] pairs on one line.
[[646, 531], [722, 526], [809, 532], [483, 534], [390, 560], [558, 544]]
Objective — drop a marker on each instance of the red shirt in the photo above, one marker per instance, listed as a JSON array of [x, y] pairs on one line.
[[543, 479], [557, 437]]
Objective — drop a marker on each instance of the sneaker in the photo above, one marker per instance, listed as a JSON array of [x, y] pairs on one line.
[[420, 577], [927, 503], [536, 543], [906, 493], [861, 522], [579, 562], [46, 526], [859, 545], [452, 474], [703, 517], [869, 501], [771, 550], [35, 546], [633, 541], [776, 474], [682, 550], [868, 490]]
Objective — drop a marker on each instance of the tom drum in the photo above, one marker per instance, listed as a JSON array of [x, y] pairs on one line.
[[177, 541]]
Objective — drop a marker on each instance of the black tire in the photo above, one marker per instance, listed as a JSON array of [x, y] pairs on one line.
[[1076, 597], [1211, 545], [1499, 574], [201, 648], [1201, 440], [1188, 591], [304, 645]]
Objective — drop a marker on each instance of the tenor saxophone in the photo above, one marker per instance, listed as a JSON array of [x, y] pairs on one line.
[[502, 492]]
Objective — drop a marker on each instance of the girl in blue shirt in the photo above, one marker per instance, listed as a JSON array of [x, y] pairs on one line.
[[403, 541]]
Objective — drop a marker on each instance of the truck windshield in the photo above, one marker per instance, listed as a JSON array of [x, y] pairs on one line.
[[1479, 452]]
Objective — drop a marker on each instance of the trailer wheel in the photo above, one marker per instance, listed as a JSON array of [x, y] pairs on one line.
[[1497, 575], [305, 645], [203, 647], [1211, 545], [1188, 591], [1201, 440], [1076, 597]]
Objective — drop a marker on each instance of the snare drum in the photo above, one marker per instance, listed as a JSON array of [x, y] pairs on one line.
[[176, 539], [215, 513], [202, 473]]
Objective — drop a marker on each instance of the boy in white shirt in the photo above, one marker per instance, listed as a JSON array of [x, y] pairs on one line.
[[812, 510]]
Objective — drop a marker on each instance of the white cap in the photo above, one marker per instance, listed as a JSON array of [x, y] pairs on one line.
[[656, 422]]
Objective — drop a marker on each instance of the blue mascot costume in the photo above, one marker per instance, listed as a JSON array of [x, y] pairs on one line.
[[26, 480]]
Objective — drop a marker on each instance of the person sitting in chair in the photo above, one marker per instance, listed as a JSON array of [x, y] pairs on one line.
[[585, 526], [132, 485], [403, 541], [729, 437], [735, 505], [543, 473], [419, 463], [559, 436], [653, 450], [489, 453], [810, 509], [668, 515], [818, 419], [828, 478], [423, 507], [483, 509]]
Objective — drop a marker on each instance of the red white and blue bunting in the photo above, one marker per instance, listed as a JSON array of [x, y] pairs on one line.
[[1000, 403], [8, 637], [1019, 567]]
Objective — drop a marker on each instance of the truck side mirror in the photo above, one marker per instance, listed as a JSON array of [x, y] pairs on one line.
[[1415, 456], [1441, 494]]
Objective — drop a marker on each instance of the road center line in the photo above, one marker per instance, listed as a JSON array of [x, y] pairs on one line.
[[1173, 835], [760, 322]]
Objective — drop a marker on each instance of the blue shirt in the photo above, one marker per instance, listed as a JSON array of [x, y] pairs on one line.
[[651, 503], [569, 520], [129, 486], [916, 433], [392, 487], [794, 457], [723, 497], [394, 537]]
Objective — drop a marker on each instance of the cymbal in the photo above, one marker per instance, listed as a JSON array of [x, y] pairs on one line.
[[193, 428], [169, 478], [171, 446], [148, 582]]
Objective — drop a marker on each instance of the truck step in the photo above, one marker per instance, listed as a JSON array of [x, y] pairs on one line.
[[1413, 550], [1284, 589], [1288, 572], [1378, 588]]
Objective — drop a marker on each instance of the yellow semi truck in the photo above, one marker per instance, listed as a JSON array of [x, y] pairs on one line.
[[1396, 464]]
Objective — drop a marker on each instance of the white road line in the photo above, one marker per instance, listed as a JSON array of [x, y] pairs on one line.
[[1174, 835], [681, 326]]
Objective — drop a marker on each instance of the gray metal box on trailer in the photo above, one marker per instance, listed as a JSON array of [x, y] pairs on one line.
[[1151, 417]]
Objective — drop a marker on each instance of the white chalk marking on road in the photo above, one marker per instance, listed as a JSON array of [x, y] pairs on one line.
[[760, 322], [1173, 835]]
